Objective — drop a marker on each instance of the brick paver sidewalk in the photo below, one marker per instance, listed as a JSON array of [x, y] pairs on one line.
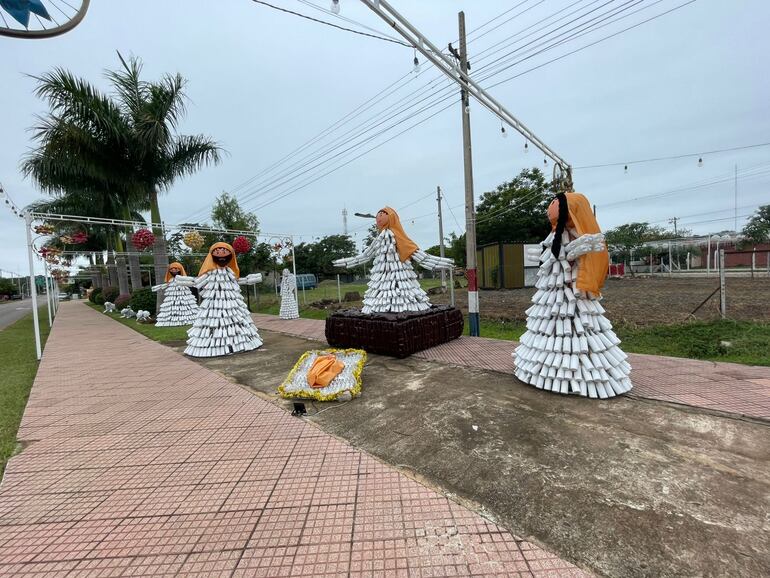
[[141, 462], [728, 387]]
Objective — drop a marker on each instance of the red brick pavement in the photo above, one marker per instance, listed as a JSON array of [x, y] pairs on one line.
[[141, 462], [727, 387]]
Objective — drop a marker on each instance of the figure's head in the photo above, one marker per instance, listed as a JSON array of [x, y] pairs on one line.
[[221, 255], [383, 219], [174, 271], [286, 272]]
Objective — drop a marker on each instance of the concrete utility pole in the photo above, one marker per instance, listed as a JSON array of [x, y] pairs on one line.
[[345, 222], [735, 226], [470, 210], [440, 235], [674, 220]]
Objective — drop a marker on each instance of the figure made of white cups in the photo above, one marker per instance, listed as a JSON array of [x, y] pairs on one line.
[[394, 287], [223, 325]]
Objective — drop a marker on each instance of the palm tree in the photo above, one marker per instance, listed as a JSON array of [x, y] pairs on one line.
[[126, 144]]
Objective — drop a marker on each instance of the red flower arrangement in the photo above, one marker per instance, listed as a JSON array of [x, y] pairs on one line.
[[241, 245], [143, 239], [79, 238], [44, 229]]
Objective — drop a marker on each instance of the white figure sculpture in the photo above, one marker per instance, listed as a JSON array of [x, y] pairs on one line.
[[142, 316], [109, 307], [127, 313], [393, 287], [569, 346], [289, 309], [179, 305], [223, 324]]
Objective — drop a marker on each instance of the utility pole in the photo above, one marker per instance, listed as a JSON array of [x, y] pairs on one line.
[[345, 222], [735, 226], [441, 235], [470, 211], [674, 220]]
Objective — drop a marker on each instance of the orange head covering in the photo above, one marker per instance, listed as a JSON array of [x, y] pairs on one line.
[[209, 264], [179, 266], [592, 268], [323, 371], [404, 245]]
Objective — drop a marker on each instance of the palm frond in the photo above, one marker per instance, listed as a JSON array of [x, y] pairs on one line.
[[186, 155]]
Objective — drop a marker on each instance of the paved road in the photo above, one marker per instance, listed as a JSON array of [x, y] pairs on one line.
[[13, 311]]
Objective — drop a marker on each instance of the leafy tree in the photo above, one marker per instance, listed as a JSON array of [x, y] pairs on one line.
[[515, 212], [8, 287], [434, 250], [456, 249], [317, 257], [371, 235], [757, 230], [228, 214]]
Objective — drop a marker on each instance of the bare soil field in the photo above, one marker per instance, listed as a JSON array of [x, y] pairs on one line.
[[643, 301]]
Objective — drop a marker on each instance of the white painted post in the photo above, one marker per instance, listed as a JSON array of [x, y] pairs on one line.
[[339, 289], [48, 294], [722, 287], [670, 264], [688, 260], [452, 286], [708, 258], [32, 286]]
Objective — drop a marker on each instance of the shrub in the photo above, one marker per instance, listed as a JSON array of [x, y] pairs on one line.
[[95, 294], [122, 301], [144, 299], [110, 294]]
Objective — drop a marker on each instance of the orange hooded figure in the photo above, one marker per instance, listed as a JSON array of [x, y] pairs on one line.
[[404, 245], [209, 264], [174, 265], [593, 267]]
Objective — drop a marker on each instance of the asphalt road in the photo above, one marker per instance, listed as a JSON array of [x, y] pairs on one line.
[[13, 311]]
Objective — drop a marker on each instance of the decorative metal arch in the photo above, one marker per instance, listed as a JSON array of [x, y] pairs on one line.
[[64, 15]]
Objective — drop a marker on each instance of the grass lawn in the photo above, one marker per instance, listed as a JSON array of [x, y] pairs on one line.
[[18, 367], [162, 334]]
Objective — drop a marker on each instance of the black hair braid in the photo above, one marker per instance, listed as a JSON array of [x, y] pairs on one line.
[[561, 223]]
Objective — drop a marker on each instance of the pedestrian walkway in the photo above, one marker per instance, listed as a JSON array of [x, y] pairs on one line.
[[728, 387], [141, 462]]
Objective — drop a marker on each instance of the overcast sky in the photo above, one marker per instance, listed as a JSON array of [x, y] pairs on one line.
[[262, 83]]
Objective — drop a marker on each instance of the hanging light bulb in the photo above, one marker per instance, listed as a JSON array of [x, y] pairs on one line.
[[545, 162], [625, 169], [526, 147], [416, 62], [700, 161], [502, 131], [467, 109], [335, 6]]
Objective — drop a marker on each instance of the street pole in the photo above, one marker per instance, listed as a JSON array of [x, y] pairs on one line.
[[441, 235], [722, 292], [735, 227], [470, 212], [48, 294], [32, 287]]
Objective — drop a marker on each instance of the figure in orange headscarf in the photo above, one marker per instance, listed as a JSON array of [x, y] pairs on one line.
[[569, 346], [394, 286], [179, 306], [224, 324]]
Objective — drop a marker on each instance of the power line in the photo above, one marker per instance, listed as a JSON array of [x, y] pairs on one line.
[[674, 157], [306, 17], [351, 21]]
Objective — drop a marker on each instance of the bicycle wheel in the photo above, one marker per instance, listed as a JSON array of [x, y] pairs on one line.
[[40, 18]]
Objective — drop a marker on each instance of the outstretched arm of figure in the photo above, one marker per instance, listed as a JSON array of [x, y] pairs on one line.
[[431, 262], [156, 288], [585, 244], [251, 279], [365, 257]]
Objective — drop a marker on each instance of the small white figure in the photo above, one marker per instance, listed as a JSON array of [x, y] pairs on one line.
[[179, 306], [394, 287], [127, 313], [142, 316], [109, 307], [289, 309]]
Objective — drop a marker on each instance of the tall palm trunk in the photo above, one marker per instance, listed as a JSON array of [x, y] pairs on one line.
[[135, 270], [121, 267], [159, 252], [112, 270]]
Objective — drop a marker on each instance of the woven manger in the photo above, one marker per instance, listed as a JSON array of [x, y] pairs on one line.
[[394, 334], [349, 380]]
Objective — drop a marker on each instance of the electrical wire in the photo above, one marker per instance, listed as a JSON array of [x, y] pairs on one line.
[[351, 21], [673, 157], [306, 17]]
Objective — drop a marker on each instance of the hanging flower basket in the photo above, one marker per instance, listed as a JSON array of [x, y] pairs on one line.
[[67, 240], [277, 248], [193, 239], [143, 239], [241, 245], [44, 229], [79, 238]]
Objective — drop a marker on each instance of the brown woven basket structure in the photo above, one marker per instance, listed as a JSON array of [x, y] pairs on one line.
[[394, 334]]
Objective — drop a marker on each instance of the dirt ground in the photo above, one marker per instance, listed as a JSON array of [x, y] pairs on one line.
[[623, 488], [644, 301]]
